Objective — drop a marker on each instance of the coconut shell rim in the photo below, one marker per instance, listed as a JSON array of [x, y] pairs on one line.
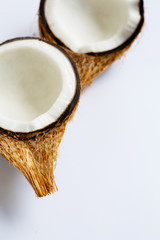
[[119, 48], [70, 108]]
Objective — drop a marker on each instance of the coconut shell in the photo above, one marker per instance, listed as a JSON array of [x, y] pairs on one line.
[[89, 65], [34, 154]]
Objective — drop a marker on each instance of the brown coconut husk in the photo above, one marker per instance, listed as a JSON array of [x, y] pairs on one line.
[[34, 157], [35, 154], [89, 65]]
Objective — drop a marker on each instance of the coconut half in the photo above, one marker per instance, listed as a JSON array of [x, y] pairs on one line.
[[39, 91], [92, 30]]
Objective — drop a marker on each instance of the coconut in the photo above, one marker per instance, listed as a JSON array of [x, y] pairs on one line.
[[95, 33], [39, 92]]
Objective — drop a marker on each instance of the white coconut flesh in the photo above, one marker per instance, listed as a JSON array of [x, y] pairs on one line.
[[92, 25], [37, 83]]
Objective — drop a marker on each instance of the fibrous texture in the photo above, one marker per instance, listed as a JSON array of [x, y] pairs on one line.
[[35, 156]]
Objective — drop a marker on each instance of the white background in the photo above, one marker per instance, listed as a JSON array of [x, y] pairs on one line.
[[108, 170]]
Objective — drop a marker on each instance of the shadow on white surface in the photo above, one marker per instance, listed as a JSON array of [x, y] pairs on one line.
[[8, 193]]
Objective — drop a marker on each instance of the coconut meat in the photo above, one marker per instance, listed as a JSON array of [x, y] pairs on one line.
[[92, 25], [37, 83]]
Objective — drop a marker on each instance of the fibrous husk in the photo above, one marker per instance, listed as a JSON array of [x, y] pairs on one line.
[[35, 156]]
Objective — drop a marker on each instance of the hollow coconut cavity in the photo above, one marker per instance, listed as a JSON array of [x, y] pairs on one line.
[[91, 26], [38, 85]]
